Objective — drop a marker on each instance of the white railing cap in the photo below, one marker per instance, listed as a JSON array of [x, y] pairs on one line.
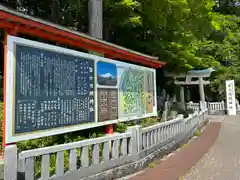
[[72, 145]]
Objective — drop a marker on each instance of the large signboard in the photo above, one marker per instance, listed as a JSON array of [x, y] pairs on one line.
[[52, 90], [230, 97]]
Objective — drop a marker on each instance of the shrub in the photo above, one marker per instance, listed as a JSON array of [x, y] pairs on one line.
[[182, 146], [148, 122], [150, 165], [121, 127], [61, 139]]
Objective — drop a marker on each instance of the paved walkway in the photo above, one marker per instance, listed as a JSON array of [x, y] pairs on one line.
[[217, 155], [222, 162], [180, 162]]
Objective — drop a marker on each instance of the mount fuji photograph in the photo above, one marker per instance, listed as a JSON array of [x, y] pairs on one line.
[[106, 74]]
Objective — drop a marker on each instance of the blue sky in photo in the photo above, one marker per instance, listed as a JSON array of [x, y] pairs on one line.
[[106, 68]]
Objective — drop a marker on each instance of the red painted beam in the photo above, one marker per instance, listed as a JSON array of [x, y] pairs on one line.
[[63, 40], [14, 24], [4, 95]]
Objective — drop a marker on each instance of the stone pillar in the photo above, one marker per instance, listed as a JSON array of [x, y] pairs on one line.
[[188, 95], [136, 142], [174, 97], [202, 106], [165, 112], [10, 162], [201, 90], [182, 98]]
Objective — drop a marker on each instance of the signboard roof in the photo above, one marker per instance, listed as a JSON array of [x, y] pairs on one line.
[[15, 22]]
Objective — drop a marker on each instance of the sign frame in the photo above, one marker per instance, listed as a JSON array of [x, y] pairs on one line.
[[9, 110]]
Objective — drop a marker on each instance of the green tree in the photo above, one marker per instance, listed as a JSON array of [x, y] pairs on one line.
[[188, 34]]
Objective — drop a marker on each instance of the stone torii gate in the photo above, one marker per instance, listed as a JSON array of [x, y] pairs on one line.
[[200, 74]]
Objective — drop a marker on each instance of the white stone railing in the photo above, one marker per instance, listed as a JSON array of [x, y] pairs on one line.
[[161, 132], [88, 157], [214, 107], [192, 105], [237, 105]]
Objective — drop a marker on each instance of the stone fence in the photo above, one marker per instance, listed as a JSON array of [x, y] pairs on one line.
[[107, 157], [213, 107], [192, 105], [216, 107], [220, 107]]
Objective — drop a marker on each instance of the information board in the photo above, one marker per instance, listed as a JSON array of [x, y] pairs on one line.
[[52, 90]]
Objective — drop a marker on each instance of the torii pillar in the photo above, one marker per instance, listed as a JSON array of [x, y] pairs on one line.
[[182, 95], [201, 89]]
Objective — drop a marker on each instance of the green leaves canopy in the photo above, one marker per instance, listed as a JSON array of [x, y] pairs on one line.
[[186, 33]]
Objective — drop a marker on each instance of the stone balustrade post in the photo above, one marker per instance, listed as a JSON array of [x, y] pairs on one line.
[[136, 138], [10, 162]]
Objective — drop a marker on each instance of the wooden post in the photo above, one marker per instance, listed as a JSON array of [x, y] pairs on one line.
[[109, 129], [95, 23], [95, 18], [4, 93]]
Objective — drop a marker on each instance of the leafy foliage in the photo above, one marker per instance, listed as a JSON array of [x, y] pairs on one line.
[[188, 34]]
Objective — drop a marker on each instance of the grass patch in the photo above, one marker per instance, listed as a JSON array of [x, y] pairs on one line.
[[121, 127], [197, 133], [151, 165], [182, 146]]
